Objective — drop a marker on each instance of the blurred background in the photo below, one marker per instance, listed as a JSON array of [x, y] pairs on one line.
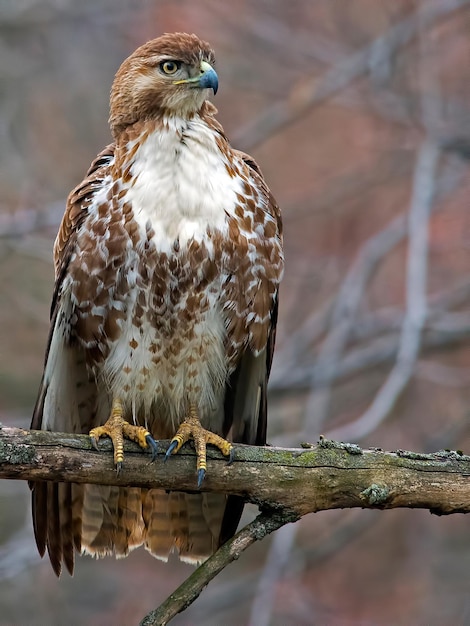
[[358, 113]]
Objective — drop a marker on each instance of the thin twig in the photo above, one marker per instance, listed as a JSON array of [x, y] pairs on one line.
[[290, 369], [417, 261], [344, 315], [275, 563], [440, 374], [443, 332], [189, 591], [314, 91], [416, 308]]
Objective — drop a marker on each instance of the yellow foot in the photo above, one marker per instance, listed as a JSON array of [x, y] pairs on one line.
[[191, 429], [117, 428]]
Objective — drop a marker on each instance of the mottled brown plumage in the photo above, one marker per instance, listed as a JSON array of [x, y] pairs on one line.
[[167, 262]]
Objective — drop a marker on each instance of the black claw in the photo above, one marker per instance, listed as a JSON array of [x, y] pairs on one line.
[[200, 476], [118, 468], [231, 456], [153, 445], [169, 452], [94, 443]]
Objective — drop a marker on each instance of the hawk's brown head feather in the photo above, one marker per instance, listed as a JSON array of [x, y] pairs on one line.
[[159, 79]]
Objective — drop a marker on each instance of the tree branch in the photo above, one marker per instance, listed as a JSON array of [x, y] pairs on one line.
[[294, 480], [187, 592], [286, 483], [310, 92], [416, 300]]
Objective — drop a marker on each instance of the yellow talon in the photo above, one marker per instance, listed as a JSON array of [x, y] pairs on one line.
[[117, 428], [191, 428]]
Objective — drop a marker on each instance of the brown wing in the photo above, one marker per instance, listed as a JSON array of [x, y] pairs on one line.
[[65, 243], [67, 395], [246, 393]]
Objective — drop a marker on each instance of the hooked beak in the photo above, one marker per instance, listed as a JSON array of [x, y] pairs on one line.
[[207, 79]]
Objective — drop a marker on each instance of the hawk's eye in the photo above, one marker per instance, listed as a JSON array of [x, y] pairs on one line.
[[170, 67]]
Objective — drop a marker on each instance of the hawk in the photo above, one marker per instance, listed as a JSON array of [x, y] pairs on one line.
[[167, 267]]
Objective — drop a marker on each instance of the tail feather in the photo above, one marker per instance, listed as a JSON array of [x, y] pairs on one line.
[[39, 509], [158, 541], [130, 526], [98, 519], [64, 493], [187, 524], [77, 505], [54, 536]]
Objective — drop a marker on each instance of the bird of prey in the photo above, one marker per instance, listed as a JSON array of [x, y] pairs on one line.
[[167, 267]]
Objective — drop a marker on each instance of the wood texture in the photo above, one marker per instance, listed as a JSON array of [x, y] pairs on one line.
[[328, 475]]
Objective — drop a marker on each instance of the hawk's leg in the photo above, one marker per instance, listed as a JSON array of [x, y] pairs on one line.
[[191, 428], [117, 428]]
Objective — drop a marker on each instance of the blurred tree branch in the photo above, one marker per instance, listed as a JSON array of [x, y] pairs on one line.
[[187, 592], [416, 307], [340, 317], [313, 91]]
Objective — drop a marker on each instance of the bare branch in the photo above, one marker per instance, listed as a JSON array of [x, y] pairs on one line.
[[276, 561], [296, 480], [445, 331], [26, 221], [286, 483], [344, 315], [443, 374], [314, 91], [416, 311], [189, 591], [289, 371]]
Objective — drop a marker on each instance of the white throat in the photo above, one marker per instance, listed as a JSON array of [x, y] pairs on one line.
[[181, 184]]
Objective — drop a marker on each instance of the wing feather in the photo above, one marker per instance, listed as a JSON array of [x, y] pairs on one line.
[[245, 409], [77, 209], [67, 396]]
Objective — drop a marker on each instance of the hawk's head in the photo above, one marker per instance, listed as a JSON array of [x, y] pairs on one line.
[[170, 76]]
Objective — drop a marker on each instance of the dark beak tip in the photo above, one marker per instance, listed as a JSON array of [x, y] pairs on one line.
[[209, 80]]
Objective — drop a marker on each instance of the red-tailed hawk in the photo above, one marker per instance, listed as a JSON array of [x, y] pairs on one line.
[[167, 264]]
